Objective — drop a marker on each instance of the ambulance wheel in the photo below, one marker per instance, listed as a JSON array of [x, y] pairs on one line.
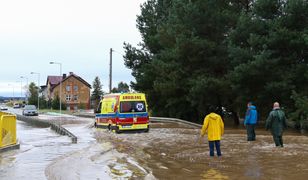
[[95, 125], [147, 130], [117, 130]]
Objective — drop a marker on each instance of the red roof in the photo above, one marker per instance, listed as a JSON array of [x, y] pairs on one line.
[[53, 80]]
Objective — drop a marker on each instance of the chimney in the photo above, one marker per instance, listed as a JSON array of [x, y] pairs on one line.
[[71, 73], [64, 76]]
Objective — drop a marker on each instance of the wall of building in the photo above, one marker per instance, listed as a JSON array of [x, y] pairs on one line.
[[68, 89]]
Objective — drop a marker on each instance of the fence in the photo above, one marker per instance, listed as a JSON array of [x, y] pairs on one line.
[[7, 130]]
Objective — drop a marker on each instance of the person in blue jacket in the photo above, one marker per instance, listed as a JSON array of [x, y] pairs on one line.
[[251, 121]]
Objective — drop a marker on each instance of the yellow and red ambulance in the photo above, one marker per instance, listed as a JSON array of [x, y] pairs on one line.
[[123, 112]]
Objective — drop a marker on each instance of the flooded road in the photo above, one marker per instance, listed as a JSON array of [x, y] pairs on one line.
[[172, 152], [168, 151], [38, 148]]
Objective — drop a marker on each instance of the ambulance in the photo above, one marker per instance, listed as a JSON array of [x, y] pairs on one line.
[[123, 112]]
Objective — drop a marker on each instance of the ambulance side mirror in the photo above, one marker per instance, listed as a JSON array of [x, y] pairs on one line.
[[98, 109]]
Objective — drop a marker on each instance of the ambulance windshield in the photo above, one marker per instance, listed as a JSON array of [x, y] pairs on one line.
[[132, 106]]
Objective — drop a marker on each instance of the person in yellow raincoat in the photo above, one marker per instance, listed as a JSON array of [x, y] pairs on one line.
[[214, 127]]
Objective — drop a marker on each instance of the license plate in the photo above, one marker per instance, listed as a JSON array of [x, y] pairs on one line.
[[126, 126]]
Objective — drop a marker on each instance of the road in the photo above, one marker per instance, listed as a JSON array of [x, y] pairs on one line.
[[168, 151], [38, 148], [43, 154]]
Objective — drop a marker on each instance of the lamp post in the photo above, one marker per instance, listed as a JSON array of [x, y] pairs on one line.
[[60, 64], [24, 77], [110, 71], [38, 89]]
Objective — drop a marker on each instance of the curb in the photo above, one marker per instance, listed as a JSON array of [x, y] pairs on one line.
[[11, 147], [56, 127]]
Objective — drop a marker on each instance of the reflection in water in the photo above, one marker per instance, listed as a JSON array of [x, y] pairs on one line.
[[213, 174]]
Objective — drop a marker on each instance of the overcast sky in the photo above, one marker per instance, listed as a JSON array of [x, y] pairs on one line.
[[77, 33]]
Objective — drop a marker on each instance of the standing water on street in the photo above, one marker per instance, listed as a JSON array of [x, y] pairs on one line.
[[38, 148], [170, 151]]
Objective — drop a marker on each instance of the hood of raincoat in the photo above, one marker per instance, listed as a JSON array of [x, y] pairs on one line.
[[214, 116], [214, 127], [251, 115], [252, 107]]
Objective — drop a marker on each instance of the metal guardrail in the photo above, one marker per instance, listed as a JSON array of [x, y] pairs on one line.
[[8, 133], [152, 119], [174, 120]]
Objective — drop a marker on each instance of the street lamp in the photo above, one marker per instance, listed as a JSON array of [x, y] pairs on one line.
[[38, 90], [24, 77], [60, 64]]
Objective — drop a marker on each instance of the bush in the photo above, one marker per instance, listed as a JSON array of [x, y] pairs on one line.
[[55, 104]]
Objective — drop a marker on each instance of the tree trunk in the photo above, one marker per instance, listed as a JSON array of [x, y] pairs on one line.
[[236, 119]]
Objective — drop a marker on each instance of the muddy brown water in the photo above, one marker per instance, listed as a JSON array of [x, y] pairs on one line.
[[171, 151], [168, 151]]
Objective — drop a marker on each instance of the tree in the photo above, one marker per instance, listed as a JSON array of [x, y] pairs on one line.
[[122, 88], [97, 92], [269, 52], [300, 115], [199, 53], [183, 53], [43, 103], [55, 103], [33, 93]]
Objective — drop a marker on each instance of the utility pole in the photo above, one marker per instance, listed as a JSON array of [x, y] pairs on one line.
[[110, 71], [60, 64]]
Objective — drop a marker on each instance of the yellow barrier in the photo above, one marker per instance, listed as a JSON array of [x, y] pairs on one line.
[[7, 130]]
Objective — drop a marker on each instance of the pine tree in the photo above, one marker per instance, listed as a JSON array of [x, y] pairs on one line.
[[97, 92]]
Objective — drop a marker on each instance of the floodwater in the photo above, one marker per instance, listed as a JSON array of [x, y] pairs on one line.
[[43, 154], [173, 152], [38, 148], [168, 151]]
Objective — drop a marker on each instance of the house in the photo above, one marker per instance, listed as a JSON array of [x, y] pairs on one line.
[[75, 92], [43, 92]]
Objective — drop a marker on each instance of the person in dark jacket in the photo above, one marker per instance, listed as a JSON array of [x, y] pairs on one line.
[[276, 122], [251, 121]]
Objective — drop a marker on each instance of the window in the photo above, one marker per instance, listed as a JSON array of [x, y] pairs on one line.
[[75, 97], [68, 88], [68, 97], [132, 106], [75, 88]]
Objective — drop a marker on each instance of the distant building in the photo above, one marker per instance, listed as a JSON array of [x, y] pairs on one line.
[[43, 92], [75, 91]]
